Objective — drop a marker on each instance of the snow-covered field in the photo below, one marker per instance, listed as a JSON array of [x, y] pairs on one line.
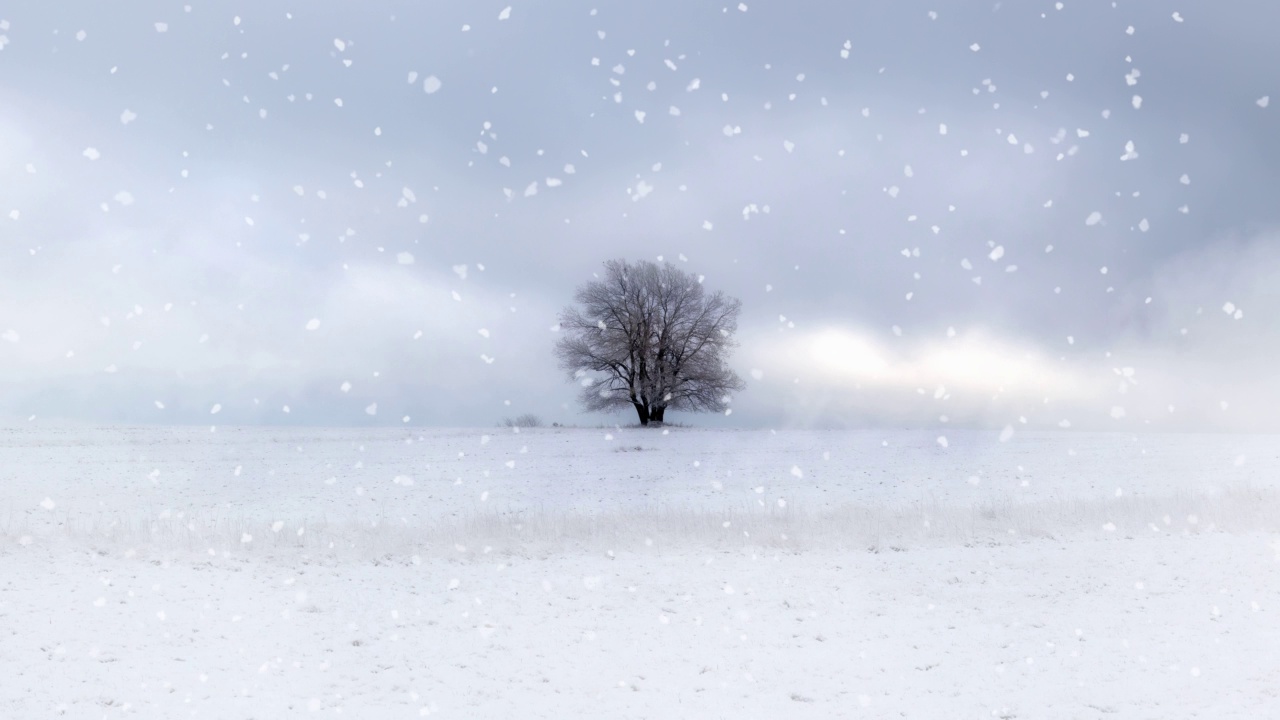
[[262, 573]]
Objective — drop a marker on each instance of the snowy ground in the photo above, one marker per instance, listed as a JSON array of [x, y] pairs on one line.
[[262, 573]]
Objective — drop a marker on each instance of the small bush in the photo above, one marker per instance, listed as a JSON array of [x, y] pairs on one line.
[[528, 420]]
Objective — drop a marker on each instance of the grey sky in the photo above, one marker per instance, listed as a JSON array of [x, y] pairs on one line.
[[741, 144]]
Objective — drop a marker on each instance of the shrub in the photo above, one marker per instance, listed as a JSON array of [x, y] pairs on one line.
[[528, 420]]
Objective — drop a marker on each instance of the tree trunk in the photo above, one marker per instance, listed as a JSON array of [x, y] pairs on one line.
[[656, 413], [643, 412]]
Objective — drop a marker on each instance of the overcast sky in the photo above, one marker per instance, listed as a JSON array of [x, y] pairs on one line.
[[289, 212]]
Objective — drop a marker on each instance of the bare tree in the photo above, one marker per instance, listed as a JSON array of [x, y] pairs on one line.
[[650, 336]]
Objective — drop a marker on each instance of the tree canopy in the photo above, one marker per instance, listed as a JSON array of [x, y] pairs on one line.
[[648, 335]]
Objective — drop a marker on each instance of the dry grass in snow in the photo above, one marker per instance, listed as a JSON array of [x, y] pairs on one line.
[[540, 532]]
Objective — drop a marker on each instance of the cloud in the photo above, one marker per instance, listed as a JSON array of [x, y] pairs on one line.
[[183, 258], [837, 375]]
